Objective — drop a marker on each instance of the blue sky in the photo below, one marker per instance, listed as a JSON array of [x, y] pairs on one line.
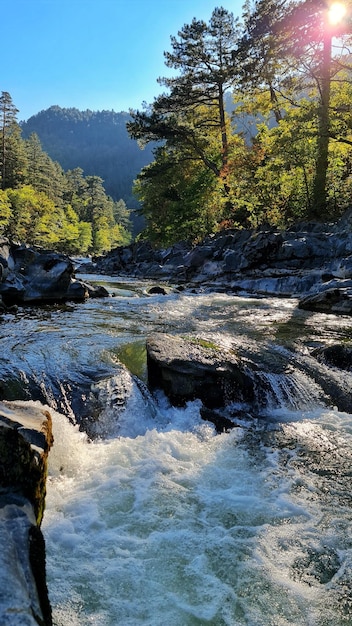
[[91, 54]]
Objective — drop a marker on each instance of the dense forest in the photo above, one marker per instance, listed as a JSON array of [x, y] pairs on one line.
[[95, 141], [42, 204], [287, 66], [254, 126]]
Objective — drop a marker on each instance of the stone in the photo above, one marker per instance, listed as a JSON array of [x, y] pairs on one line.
[[79, 290], [222, 424], [337, 355], [30, 275], [186, 370], [332, 300], [157, 289], [25, 441], [47, 277]]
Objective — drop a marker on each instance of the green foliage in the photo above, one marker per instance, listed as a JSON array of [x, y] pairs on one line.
[[5, 210], [42, 205], [181, 201], [295, 89], [291, 52]]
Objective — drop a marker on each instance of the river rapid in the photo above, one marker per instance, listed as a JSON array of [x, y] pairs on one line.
[[162, 522]]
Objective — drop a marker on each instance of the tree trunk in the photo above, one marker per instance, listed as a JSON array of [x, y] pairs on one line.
[[322, 161], [224, 141]]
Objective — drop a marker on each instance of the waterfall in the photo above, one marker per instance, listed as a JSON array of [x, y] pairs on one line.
[[293, 390]]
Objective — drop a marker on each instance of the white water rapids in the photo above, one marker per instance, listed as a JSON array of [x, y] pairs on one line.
[[166, 523]]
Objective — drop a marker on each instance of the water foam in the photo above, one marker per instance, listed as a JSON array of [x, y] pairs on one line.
[[181, 527]]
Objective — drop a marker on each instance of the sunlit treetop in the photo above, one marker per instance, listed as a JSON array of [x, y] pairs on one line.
[[336, 13]]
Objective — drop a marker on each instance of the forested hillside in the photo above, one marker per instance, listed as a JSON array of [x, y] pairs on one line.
[[43, 204], [95, 141]]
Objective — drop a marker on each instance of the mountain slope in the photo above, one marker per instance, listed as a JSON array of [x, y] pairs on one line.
[[95, 141]]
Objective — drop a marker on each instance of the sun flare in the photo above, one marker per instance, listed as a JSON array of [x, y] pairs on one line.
[[336, 12]]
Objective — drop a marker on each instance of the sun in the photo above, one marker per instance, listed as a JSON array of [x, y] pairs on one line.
[[336, 13]]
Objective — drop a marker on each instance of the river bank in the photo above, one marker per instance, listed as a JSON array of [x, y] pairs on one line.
[[304, 261]]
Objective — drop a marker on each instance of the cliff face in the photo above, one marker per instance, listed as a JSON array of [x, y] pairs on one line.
[[25, 441]]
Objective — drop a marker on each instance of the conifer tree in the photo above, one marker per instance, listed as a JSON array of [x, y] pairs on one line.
[[12, 160], [203, 54]]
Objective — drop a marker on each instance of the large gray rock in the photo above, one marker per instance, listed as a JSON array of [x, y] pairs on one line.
[[25, 440], [336, 300], [30, 275], [186, 370]]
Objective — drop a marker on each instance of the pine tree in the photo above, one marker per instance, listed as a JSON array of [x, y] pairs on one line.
[[203, 55], [11, 157]]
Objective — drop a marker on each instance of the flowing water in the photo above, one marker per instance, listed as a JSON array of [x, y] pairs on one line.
[[163, 522]]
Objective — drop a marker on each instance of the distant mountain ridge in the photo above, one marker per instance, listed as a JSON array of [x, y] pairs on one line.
[[95, 141]]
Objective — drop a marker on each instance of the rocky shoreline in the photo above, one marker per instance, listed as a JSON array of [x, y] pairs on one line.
[[311, 261], [31, 275]]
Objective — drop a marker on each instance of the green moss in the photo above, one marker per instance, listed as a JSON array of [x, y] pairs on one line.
[[204, 343]]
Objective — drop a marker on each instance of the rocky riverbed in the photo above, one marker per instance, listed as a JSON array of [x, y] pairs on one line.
[[310, 260]]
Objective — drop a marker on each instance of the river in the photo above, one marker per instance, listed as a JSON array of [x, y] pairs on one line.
[[163, 522]]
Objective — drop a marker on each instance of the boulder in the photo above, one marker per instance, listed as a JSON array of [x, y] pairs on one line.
[[189, 369], [47, 277], [31, 275], [337, 300], [157, 290], [337, 355], [25, 440]]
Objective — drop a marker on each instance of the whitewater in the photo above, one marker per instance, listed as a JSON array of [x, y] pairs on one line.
[[161, 521]]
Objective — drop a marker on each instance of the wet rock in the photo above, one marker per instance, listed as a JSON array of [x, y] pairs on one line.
[[32, 275], [25, 440], [337, 300], [157, 290], [77, 290], [47, 277], [187, 369], [96, 291], [337, 355], [221, 422]]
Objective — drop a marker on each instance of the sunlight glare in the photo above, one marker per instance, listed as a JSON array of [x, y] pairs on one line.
[[336, 12]]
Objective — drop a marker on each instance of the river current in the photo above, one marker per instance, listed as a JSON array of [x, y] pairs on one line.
[[164, 522]]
